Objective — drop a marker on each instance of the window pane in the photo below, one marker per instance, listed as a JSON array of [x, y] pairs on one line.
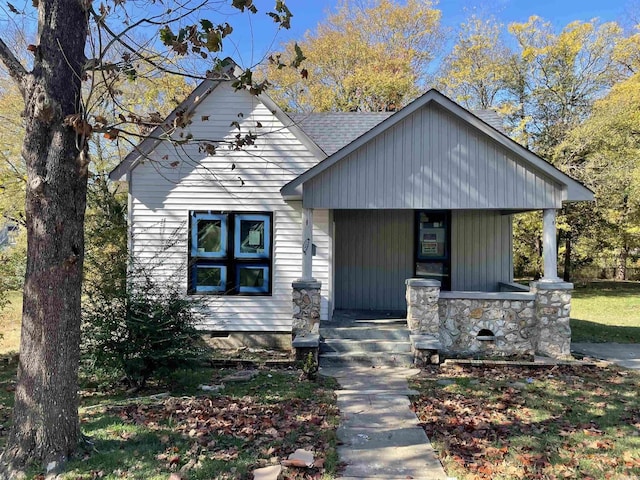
[[210, 278], [253, 279], [209, 235], [432, 235], [252, 236]]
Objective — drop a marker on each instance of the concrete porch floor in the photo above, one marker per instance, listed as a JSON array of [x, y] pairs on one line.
[[346, 318]]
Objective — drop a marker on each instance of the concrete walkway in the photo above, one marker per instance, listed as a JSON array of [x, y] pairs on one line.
[[379, 433], [624, 354]]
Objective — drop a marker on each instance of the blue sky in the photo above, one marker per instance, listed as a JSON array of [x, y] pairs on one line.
[[308, 13]]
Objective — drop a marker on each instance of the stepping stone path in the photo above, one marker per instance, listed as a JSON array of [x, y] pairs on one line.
[[380, 434]]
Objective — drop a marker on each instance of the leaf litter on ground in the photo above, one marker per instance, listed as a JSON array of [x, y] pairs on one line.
[[522, 422], [224, 434]]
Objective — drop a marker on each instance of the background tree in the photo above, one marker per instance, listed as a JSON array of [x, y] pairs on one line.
[[12, 169], [603, 151], [565, 73], [367, 56], [545, 86], [475, 73], [58, 124]]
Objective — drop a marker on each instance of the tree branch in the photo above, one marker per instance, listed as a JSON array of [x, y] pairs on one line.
[[16, 70]]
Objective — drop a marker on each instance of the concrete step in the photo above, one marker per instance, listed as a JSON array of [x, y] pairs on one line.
[[366, 332], [369, 345], [341, 359]]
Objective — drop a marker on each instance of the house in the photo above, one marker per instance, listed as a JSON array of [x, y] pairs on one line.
[[341, 211]]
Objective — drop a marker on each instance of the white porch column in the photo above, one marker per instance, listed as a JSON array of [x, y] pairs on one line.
[[307, 244], [549, 249]]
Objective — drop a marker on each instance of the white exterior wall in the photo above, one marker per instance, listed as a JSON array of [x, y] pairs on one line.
[[162, 196]]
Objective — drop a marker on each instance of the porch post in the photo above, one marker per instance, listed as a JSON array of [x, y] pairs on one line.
[[307, 244], [549, 249], [306, 291]]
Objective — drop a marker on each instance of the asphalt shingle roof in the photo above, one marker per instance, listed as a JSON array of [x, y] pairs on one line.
[[333, 130]]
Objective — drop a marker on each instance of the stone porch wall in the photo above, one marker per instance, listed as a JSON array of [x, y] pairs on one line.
[[493, 323], [511, 321]]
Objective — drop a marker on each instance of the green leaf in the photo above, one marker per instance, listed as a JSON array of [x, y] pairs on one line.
[[299, 58], [167, 37], [214, 42], [206, 24]]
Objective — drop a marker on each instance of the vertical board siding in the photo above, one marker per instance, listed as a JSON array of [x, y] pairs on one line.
[[177, 179], [432, 160], [373, 258], [481, 250]]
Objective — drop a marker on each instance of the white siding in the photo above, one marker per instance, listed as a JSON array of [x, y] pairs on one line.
[[163, 192], [432, 160]]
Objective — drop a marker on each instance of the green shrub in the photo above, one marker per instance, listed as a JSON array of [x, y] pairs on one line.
[[146, 331], [132, 326]]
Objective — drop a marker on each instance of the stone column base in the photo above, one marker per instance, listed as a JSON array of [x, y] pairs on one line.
[[553, 308], [422, 306], [306, 307]]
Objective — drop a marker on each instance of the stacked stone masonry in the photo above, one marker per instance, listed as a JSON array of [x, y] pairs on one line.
[[493, 324], [553, 309], [422, 306], [511, 323], [306, 307]]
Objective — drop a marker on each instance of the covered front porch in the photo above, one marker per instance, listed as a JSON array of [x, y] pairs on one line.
[[420, 212], [467, 304]]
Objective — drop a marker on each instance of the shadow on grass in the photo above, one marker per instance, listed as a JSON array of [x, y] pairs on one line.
[[122, 448], [565, 422], [213, 436], [586, 331], [606, 288]]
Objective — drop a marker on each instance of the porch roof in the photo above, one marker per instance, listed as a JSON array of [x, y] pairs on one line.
[[434, 154]]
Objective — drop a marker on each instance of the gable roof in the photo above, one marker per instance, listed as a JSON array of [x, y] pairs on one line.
[[575, 191], [333, 130], [202, 91]]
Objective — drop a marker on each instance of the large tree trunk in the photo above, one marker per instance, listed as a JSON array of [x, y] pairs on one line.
[[45, 425]]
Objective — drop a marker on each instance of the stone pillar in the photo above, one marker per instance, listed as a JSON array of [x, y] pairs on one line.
[[307, 244], [422, 306], [306, 307], [552, 310], [549, 247]]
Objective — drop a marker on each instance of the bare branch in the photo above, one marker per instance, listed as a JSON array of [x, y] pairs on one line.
[[117, 37], [16, 70]]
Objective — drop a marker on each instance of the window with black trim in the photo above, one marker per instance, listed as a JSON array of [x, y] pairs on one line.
[[230, 253], [433, 246]]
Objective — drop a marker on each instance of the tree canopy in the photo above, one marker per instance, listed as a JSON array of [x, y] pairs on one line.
[[366, 56]]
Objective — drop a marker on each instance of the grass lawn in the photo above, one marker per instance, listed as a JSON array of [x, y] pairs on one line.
[[606, 311], [523, 423], [196, 435]]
